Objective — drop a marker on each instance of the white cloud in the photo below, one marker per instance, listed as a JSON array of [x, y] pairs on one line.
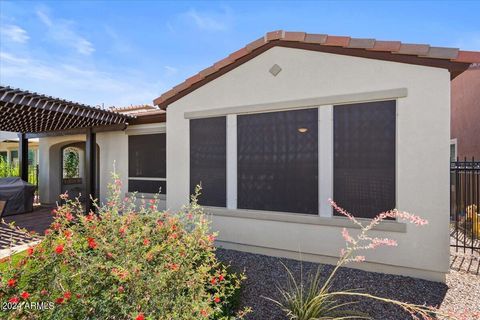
[[14, 33], [210, 21], [77, 81], [62, 31], [171, 70]]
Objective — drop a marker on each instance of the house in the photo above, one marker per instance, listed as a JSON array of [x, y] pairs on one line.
[[9, 149], [280, 126], [465, 125]]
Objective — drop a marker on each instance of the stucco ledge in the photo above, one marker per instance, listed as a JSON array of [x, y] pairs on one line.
[[391, 226]]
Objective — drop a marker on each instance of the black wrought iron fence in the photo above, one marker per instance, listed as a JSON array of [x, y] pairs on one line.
[[465, 205]]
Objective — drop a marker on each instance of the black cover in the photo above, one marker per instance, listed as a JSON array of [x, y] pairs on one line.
[[364, 157], [277, 163], [20, 195], [208, 160], [147, 155]]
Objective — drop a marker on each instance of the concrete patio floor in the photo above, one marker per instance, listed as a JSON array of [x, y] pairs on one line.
[[36, 221]]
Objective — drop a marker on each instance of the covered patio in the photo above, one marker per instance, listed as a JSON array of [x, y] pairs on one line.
[[34, 115]]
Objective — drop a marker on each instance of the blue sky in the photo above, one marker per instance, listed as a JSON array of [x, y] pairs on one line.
[[129, 52]]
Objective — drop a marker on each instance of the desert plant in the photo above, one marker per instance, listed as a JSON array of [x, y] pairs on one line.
[[124, 262], [318, 300]]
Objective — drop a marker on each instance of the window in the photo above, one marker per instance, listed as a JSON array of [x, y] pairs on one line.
[[453, 150], [364, 157], [208, 160], [3, 156], [147, 163], [278, 161], [14, 157]]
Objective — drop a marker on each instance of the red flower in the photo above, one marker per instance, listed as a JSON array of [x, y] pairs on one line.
[[59, 300], [146, 242], [89, 217], [140, 317], [44, 292], [204, 313], [213, 281], [121, 289], [14, 300], [211, 237], [109, 255], [30, 251], [54, 211], [11, 283], [25, 295], [68, 234], [47, 232], [59, 249], [173, 266], [69, 216], [160, 223], [121, 230], [67, 295], [78, 295], [56, 225], [216, 300], [91, 243], [220, 277]]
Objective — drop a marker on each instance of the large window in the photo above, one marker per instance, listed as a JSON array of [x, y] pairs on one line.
[[278, 161], [208, 160], [147, 163], [364, 157]]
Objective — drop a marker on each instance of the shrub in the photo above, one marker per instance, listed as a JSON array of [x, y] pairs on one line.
[[317, 299], [124, 263]]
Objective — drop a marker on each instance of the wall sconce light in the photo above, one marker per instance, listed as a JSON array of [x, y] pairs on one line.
[[302, 130]]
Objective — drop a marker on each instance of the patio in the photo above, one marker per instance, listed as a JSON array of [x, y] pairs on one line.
[[36, 221]]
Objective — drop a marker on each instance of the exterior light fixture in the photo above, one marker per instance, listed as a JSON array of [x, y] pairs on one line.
[[302, 130]]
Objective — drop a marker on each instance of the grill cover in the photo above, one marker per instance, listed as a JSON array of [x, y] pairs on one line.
[[18, 193]]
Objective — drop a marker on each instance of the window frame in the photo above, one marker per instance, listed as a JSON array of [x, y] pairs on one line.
[[147, 180]]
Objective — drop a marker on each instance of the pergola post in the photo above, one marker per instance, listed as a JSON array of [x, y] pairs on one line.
[[90, 172], [23, 156]]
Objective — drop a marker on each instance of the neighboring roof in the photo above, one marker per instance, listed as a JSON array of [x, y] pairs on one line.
[[133, 109], [31, 112], [453, 59]]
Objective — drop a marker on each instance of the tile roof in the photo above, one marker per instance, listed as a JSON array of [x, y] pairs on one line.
[[133, 109], [421, 54]]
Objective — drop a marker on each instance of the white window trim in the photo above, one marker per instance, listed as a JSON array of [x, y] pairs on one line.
[[325, 107], [231, 161]]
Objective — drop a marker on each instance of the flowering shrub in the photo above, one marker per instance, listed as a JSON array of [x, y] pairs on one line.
[[124, 263], [318, 301]]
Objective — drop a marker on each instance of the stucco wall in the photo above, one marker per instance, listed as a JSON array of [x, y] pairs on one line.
[[423, 137], [466, 113], [113, 153]]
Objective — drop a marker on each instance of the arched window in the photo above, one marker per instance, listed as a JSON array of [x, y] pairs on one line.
[[71, 163]]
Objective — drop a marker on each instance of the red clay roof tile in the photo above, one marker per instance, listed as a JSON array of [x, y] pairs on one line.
[[294, 36], [391, 46], [414, 49], [361, 43], [394, 47], [468, 56], [255, 44], [337, 41], [315, 38], [442, 53], [239, 53], [274, 35]]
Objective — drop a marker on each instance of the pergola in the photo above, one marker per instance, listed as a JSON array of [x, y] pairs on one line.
[[34, 115]]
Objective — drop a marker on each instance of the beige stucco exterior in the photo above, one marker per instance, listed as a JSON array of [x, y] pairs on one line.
[[423, 138], [113, 155]]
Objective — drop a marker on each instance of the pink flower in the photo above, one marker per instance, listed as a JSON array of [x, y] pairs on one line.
[[359, 259], [69, 216], [347, 236]]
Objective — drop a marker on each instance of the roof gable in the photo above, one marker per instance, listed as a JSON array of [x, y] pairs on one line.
[[453, 59]]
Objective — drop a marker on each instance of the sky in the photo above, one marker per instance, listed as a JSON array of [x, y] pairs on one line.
[[120, 53]]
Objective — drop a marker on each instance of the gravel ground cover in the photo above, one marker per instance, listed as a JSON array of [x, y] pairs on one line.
[[461, 292]]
